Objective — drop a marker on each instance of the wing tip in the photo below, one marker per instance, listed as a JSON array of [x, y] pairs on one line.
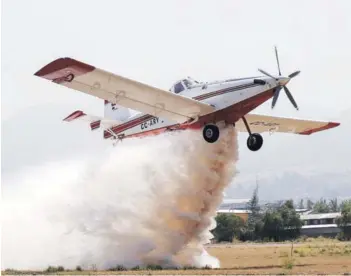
[[325, 127], [333, 124], [60, 66], [73, 116], [50, 67]]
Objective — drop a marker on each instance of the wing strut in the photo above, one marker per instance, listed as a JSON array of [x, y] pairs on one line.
[[246, 125], [112, 133]]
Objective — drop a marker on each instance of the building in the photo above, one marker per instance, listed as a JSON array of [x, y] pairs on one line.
[[303, 211], [244, 214], [323, 224], [237, 204], [314, 224], [240, 207], [318, 219], [236, 207]]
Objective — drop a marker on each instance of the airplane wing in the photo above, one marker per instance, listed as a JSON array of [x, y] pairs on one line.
[[120, 90], [263, 123], [95, 121]]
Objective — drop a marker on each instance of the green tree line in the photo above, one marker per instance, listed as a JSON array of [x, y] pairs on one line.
[[277, 223], [322, 205]]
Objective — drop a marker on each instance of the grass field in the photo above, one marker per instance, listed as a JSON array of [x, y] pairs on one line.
[[317, 256]]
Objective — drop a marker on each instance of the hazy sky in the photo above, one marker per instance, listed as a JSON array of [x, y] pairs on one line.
[[158, 42]]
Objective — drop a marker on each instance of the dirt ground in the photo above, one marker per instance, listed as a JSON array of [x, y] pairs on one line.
[[317, 257]]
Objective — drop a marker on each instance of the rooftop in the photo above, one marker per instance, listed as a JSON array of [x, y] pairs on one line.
[[236, 211], [320, 216]]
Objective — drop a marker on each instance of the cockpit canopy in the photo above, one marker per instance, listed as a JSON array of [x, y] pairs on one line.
[[183, 84]]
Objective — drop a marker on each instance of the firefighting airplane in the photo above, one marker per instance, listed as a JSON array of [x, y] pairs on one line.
[[189, 104]]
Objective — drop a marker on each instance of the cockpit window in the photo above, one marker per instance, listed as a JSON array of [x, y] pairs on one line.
[[178, 88], [187, 83]]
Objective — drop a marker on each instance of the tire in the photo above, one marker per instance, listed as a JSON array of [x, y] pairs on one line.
[[210, 133], [255, 141]]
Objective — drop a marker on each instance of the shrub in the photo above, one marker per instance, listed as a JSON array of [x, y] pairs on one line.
[[118, 268], [288, 263]]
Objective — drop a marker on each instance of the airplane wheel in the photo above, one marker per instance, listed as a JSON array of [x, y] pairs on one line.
[[211, 133], [255, 141]]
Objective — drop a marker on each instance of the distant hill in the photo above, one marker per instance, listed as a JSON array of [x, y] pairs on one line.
[[292, 166], [295, 185]]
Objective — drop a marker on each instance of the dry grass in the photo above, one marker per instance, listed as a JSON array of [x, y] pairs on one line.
[[315, 256], [310, 258]]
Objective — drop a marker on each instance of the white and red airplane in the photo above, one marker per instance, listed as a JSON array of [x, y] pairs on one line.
[[189, 104]]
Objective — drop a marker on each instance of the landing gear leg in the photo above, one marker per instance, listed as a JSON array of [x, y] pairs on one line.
[[210, 133], [255, 140]]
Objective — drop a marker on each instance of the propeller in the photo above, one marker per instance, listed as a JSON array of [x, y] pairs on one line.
[[281, 83]]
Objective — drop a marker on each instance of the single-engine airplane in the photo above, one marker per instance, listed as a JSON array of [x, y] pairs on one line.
[[188, 104]]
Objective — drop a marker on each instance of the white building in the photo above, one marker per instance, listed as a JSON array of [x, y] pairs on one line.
[[320, 224]]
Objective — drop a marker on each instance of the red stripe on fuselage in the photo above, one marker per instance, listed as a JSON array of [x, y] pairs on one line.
[[233, 113], [123, 127], [223, 91], [229, 114]]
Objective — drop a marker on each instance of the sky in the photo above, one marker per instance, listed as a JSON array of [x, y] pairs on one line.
[[159, 42]]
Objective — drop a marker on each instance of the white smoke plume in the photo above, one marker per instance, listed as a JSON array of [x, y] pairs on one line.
[[147, 201]]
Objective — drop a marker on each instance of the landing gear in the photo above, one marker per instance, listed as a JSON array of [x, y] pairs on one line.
[[210, 133], [255, 140]]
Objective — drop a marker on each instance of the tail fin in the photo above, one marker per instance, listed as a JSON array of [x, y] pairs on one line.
[[95, 121], [116, 112]]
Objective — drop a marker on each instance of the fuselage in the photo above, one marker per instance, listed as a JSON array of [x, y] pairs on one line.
[[232, 99]]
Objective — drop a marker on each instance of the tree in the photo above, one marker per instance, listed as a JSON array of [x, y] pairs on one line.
[[272, 225], [321, 206], [333, 205], [309, 204], [254, 220], [228, 227], [281, 223], [291, 220], [301, 205], [344, 221], [345, 205], [253, 203]]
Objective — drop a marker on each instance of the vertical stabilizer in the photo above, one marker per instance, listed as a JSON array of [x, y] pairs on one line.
[[116, 112]]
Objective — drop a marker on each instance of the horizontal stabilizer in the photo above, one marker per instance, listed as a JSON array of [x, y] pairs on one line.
[[95, 121]]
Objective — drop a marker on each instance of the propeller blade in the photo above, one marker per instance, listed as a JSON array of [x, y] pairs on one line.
[[294, 74], [276, 56], [276, 95], [265, 73], [290, 97]]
